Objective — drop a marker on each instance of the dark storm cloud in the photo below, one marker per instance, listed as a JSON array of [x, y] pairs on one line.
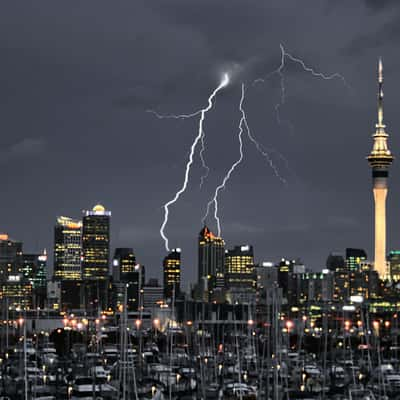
[[387, 34], [76, 81], [380, 4], [26, 148]]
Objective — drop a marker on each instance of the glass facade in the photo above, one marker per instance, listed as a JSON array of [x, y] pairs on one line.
[[10, 257], [96, 243], [172, 273], [211, 261], [239, 267], [67, 249]]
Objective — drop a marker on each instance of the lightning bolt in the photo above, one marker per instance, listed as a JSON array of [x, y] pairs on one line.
[[214, 200], [201, 153], [279, 71], [242, 124], [198, 138]]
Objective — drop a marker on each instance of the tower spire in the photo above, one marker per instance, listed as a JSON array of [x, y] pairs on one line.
[[380, 95], [380, 158]]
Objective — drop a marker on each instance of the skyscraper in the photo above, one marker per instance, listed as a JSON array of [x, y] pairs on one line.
[[380, 160], [96, 243], [240, 274], [34, 270], [211, 260], [10, 257], [127, 274], [124, 263], [354, 258], [394, 260], [172, 273], [15, 289], [67, 249]]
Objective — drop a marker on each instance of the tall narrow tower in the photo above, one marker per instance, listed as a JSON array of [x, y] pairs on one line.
[[380, 160]]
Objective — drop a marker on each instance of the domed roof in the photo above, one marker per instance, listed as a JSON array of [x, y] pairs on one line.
[[99, 208]]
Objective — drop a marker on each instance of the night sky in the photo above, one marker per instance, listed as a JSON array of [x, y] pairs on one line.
[[76, 79]]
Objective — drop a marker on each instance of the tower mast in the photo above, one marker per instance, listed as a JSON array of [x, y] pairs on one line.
[[380, 160]]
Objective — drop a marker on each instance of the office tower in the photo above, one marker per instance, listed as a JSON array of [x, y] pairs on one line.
[[34, 270], [10, 257], [15, 290], [123, 264], [172, 273], [240, 274], [153, 293], [16, 293], [364, 281], [394, 262], [95, 257], [315, 287], [211, 252], [128, 276], [285, 271], [267, 279], [380, 160], [354, 258], [67, 249], [96, 243]]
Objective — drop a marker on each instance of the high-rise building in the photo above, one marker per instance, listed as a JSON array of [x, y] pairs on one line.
[[15, 289], [267, 280], [172, 273], [394, 261], [364, 281], [16, 293], [96, 243], [211, 261], [10, 257], [354, 258], [316, 287], [123, 264], [128, 276], [153, 294], [240, 274], [380, 160], [34, 270], [67, 249]]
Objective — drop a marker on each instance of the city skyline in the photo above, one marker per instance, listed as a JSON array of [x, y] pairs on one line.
[[85, 139]]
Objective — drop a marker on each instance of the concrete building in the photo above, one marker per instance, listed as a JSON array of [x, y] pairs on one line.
[[211, 251], [380, 160]]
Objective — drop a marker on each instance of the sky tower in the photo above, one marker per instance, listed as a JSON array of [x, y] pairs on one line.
[[380, 160]]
